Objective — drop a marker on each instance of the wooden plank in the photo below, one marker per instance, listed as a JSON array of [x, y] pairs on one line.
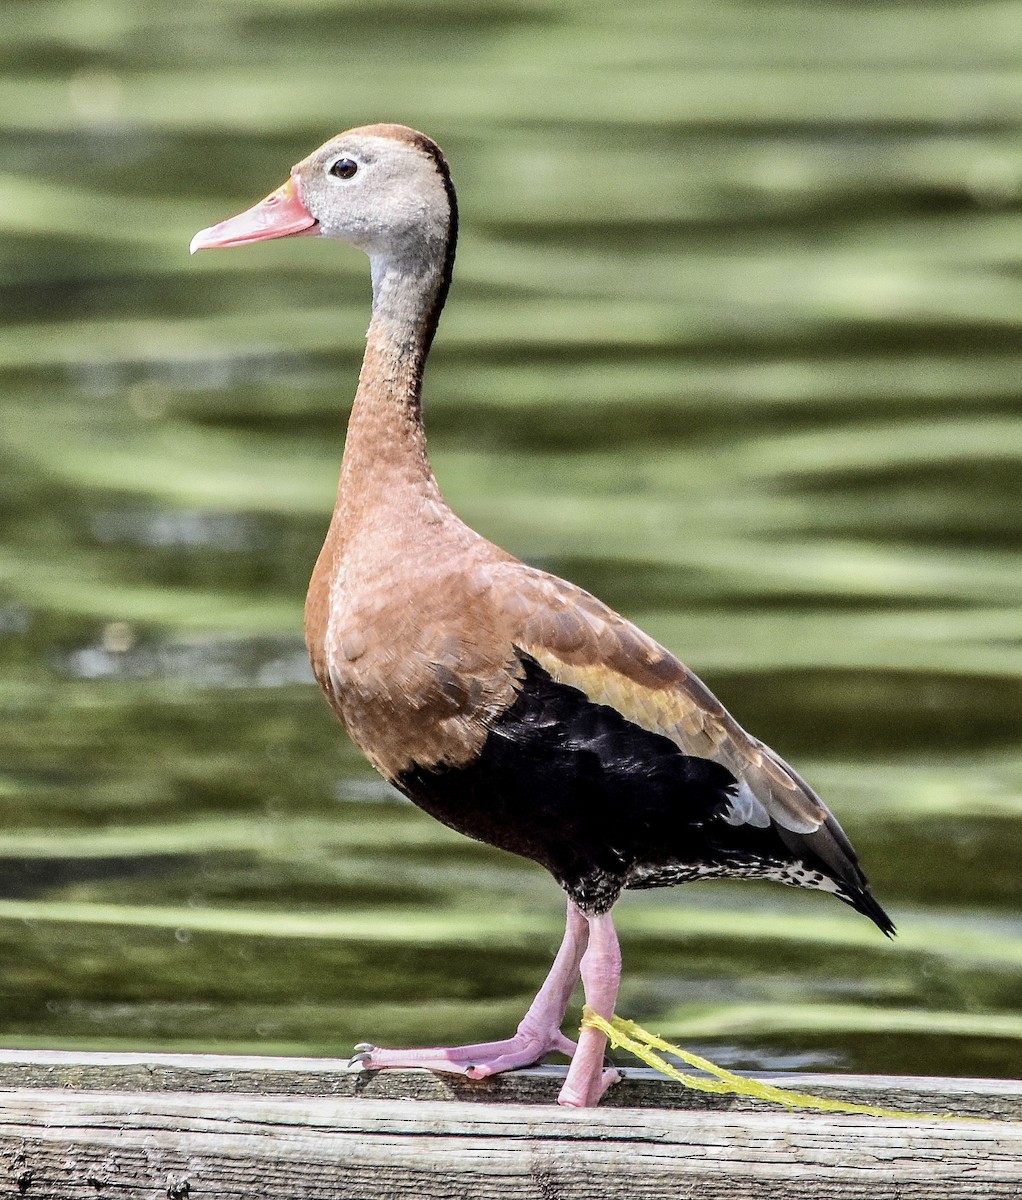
[[240, 1127], [70, 1144], [641, 1087]]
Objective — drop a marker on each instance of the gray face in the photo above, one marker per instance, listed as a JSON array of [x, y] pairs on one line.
[[382, 194]]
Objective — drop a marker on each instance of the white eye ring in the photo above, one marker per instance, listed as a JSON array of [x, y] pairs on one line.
[[342, 168]]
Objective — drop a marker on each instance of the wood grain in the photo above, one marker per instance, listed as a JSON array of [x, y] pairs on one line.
[[231, 1128], [641, 1087]]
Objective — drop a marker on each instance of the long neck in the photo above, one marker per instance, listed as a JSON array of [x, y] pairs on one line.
[[385, 474], [385, 462], [387, 493]]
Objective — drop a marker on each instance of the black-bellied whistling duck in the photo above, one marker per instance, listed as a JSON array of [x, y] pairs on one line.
[[509, 704]]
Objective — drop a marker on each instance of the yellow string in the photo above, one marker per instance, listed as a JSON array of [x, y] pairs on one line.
[[626, 1035]]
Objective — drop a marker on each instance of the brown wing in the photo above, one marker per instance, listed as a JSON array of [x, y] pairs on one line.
[[583, 643]]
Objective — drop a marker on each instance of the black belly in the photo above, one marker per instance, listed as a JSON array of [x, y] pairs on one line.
[[600, 802]]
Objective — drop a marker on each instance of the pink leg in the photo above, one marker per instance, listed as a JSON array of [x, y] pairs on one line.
[[538, 1033], [601, 975]]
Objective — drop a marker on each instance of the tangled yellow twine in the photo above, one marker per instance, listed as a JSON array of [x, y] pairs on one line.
[[626, 1035]]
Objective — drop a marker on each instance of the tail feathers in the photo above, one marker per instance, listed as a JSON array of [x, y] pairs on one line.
[[862, 900], [833, 853]]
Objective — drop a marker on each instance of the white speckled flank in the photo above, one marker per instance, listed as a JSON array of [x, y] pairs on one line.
[[793, 874]]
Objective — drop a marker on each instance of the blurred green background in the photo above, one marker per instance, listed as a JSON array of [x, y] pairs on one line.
[[734, 341]]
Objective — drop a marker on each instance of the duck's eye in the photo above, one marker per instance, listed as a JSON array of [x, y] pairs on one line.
[[344, 168]]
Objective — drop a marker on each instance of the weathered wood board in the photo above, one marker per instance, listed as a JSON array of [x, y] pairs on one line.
[[176, 1126]]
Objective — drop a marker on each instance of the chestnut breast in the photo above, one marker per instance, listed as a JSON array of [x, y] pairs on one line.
[[408, 648]]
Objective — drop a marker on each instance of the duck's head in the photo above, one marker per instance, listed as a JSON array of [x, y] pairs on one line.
[[384, 188]]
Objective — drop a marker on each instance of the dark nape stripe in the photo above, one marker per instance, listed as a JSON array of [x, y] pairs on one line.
[[429, 147]]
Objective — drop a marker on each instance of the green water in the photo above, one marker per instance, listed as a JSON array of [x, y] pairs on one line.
[[734, 341]]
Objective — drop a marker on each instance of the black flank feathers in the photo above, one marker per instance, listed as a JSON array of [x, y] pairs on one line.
[[602, 803]]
